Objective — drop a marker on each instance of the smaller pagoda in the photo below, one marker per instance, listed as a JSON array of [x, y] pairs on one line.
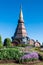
[[20, 35]]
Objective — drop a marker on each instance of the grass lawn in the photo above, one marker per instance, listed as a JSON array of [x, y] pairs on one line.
[[41, 63]]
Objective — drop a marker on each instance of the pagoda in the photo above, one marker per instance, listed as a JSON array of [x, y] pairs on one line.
[[20, 35]]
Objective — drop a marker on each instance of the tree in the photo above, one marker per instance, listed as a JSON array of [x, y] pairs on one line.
[[1, 45], [42, 43], [7, 42]]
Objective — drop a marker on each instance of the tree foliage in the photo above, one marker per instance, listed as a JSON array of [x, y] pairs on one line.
[[1, 45], [7, 42]]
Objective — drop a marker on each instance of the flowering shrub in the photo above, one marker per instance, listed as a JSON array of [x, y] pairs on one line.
[[29, 57]]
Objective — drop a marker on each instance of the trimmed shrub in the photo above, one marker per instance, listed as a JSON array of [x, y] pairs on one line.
[[7, 42], [23, 45]]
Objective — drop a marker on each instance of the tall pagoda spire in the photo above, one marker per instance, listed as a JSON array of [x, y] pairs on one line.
[[20, 32], [21, 14]]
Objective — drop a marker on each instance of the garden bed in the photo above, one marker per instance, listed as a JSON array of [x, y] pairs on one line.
[[13, 61]]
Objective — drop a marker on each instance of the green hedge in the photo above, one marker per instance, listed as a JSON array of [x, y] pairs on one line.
[[23, 45], [10, 53]]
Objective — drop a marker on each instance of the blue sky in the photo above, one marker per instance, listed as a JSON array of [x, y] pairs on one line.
[[33, 17]]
